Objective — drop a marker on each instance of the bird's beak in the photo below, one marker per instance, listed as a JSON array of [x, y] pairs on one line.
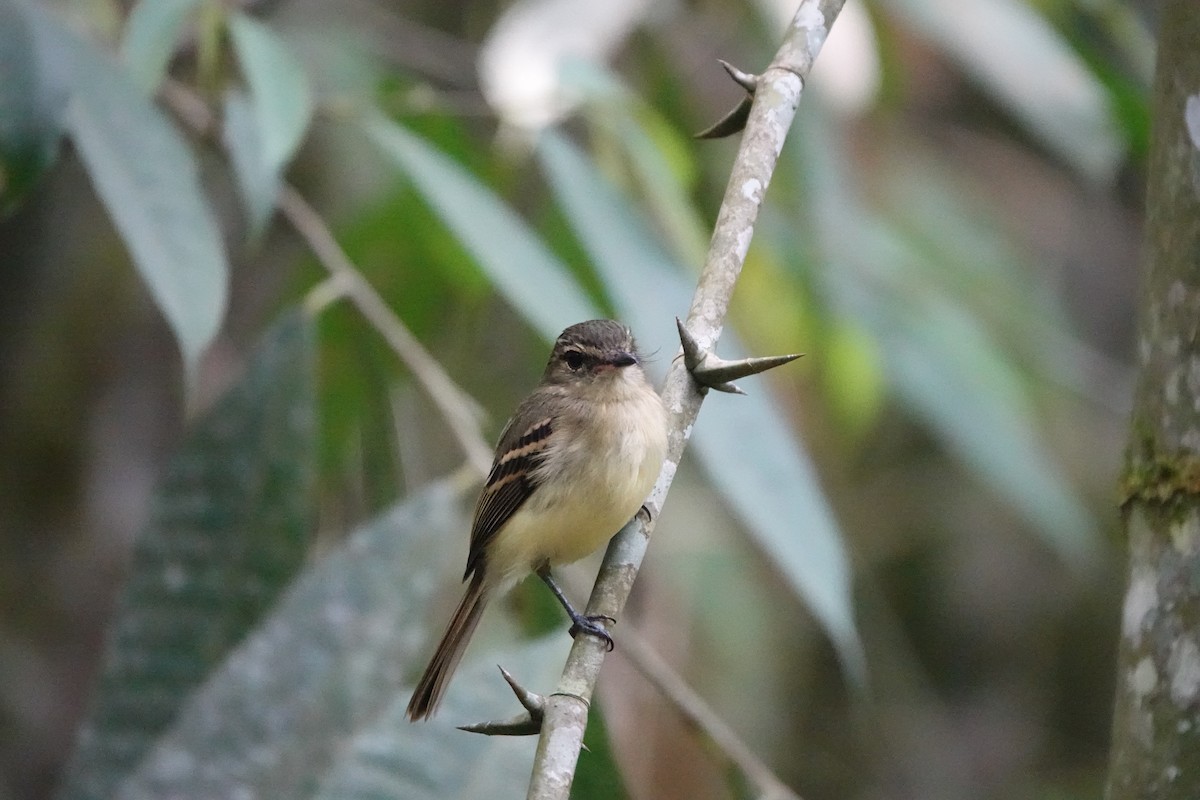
[[623, 360]]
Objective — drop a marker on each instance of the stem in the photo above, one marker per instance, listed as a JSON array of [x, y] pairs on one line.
[[702, 717], [771, 115], [458, 408], [1156, 735], [211, 30]]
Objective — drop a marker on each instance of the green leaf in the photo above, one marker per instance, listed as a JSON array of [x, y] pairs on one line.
[[258, 184], [536, 283], [946, 369], [324, 669], [648, 149], [853, 375], [391, 757], [282, 106], [228, 528], [1029, 67], [751, 456], [937, 355], [664, 170], [956, 244], [766, 477], [151, 35], [33, 93], [279, 88], [147, 179]]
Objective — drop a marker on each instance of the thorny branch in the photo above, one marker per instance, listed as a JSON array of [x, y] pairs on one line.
[[776, 97]]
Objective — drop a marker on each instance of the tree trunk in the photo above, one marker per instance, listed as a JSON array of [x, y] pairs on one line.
[[1156, 722]]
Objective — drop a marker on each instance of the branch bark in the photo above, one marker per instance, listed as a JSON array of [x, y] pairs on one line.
[[460, 411], [775, 101], [1156, 721]]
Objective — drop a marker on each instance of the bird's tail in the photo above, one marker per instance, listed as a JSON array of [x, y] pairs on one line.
[[436, 678]]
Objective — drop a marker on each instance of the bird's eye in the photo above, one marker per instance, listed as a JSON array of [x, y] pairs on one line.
[[574, 359]]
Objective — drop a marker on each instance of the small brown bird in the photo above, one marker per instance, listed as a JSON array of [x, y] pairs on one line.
[[573, 465]]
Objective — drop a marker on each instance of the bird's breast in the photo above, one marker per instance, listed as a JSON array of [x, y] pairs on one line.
[[593, 480]]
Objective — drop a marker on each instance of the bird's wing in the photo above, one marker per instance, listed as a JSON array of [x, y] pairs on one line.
[[510, 483]]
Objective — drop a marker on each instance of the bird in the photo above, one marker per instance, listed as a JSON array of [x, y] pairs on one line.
[[573, 465]]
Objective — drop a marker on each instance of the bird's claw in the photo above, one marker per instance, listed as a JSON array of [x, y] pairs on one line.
[[590, 624]]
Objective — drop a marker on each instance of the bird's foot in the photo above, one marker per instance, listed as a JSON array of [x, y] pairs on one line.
[[590, 624]]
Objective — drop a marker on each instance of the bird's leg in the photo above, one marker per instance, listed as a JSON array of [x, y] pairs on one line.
[[580, 623]]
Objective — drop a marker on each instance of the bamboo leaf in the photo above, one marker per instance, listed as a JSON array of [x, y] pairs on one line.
[[938, 357], [33, 92], [281, 106], [1017, 55], [536, 283], [147, 179], [151, 35], [944, 366], [257, 183]]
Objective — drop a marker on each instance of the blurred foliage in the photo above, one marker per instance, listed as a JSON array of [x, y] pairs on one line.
[[949, 237], [31, 103], [228, 531]]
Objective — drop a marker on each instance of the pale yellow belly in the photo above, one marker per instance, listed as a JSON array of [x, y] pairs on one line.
[[566, 520], [557, 536]]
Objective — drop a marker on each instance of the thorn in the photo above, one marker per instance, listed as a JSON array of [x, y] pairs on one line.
[[728, 388], [533, 702], [744, 79], [520, 725], [719, 370], [712, 372], [735, 120], [692, 352], [527, 724], [728, 125]]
